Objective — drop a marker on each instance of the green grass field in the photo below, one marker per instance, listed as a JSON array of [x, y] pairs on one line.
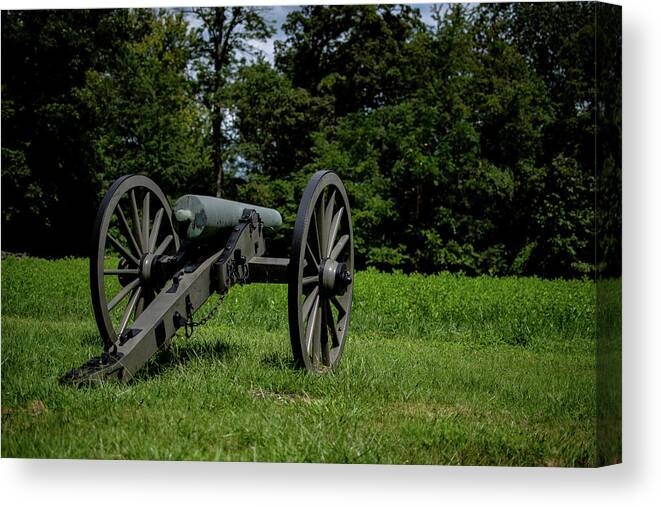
[[437, 369]]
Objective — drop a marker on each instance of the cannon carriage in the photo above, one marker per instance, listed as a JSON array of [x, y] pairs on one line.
[[153, 267]]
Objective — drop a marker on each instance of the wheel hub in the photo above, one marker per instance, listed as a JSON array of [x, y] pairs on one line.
[[334, 277], [146, 264]]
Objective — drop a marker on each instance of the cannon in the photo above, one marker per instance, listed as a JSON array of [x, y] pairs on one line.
[[152, 268]]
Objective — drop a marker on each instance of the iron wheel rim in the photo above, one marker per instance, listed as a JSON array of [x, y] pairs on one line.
[[323, 234], [145, 227]]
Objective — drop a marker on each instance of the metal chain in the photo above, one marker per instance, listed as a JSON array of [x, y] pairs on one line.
[[190, 324]]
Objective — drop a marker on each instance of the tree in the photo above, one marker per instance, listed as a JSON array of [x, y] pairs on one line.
[[440, 166], [558, 43], [361, 55], [147, 120], [223, 41], [275, 122], [49, 180], [466, 146]]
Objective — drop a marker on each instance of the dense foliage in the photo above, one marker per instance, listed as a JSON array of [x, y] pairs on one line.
[[466, 146]]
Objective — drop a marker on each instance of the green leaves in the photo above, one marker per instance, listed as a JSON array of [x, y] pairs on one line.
[[465, 146], [275, 122], [48, 135], [446, 154], [224, 39], [358, 54], [148, 121]]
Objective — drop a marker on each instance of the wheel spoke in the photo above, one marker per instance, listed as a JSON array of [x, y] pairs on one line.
[[314, 259], [136, 220], [123, 293], [321, 221], [139, 307], [334, 228], [309, 280], [331, 325], [155, 230], [129, 309], [309, 329], [324, 344], [121, 271], [312, 332], [164, 245], [340, 307], [307, 305], [307, 289], [342, 242], [316, 337], [328, 218], [122, 251], [145, 221], [317, 235], [124, 225]]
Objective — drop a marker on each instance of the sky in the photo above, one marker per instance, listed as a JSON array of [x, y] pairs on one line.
[[278, 15]]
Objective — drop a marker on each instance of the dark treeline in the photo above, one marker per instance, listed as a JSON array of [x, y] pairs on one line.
[[467, 146]]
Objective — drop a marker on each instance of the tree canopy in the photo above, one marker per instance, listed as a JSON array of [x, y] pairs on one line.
[[475, 144]]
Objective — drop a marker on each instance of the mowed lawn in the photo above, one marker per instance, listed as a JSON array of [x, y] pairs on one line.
[[437, 369]]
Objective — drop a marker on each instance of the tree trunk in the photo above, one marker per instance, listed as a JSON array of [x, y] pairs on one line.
[[216, 110], [216, 153]]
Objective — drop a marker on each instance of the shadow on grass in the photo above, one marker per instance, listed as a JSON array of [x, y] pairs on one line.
[[91, 340], [179, 354], [184, 353], [279, 362]]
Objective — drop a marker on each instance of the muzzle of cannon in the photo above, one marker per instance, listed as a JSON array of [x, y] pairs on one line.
[[152, 268]]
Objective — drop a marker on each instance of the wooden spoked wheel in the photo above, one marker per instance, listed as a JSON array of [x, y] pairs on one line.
[[320, 285], [132, 227]]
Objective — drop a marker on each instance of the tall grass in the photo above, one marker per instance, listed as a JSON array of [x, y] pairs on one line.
[[438, 369]]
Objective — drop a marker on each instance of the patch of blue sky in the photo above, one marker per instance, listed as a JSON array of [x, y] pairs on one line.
[[277, 15]]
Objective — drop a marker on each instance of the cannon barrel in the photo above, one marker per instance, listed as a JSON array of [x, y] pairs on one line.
[[201, 216]]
